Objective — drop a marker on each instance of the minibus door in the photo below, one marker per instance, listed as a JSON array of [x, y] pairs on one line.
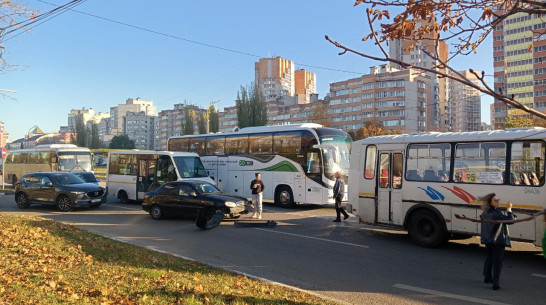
[[389, 185], [146, 177]]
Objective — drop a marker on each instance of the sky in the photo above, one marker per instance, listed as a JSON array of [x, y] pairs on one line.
[[76, 60]]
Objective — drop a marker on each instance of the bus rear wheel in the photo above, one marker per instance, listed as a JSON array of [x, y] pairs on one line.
[[284, 197], [426, 229]]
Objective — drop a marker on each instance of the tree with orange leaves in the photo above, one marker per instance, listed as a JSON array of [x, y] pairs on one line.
[[464, 25]]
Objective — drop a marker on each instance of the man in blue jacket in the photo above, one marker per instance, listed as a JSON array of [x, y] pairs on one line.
[[496, 237]]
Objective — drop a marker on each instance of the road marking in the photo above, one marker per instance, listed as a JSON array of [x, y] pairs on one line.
[[110, 205], [448, 295], [316, 238], [539, 275]]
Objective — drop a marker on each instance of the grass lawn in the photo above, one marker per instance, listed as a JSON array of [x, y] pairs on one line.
[[47, 262]]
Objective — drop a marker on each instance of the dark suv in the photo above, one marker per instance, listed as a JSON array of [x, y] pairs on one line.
[[63, 189]]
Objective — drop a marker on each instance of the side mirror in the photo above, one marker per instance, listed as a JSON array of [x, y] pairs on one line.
[[193, 194], [49, 184]]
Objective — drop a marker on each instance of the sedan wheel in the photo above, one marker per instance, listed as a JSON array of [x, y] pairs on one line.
[[22, 201], [156, 212], [209, 218], [64, 204]]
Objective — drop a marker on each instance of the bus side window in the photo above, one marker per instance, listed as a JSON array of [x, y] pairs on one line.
[[371, 155], [527, 163]]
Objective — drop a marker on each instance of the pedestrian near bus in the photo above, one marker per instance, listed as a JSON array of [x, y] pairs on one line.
[[496, 237], [339, 191], [257, 186]]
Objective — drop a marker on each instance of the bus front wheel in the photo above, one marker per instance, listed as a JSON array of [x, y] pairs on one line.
[[426, 229], [284, 197], [122, 196]]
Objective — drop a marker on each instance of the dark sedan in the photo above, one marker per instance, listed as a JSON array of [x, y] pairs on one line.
[[65, 190], [194, 198]]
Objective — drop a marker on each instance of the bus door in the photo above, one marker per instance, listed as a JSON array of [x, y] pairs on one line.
[[146, 175], [222, 173], [389, 187]]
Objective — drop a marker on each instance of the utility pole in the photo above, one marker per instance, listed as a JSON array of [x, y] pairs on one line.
[[208, 114]]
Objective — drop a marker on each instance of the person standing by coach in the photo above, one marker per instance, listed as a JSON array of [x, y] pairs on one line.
[[339, 191], [257, 186]]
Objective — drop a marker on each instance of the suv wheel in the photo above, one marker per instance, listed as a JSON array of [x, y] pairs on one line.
[[22, 200], [64, 204]]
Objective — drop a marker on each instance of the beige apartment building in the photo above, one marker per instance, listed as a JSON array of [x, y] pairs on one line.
[[397, 99], [465, 104], [3, 135], [519, 61], [131, 105], [440, 114]]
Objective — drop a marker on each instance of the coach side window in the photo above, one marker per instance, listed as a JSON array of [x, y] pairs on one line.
[[527, 163], [480, 163]]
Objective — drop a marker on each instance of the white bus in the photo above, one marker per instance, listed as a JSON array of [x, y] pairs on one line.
[[47, 157], [297, 162], [131, 173], [420, 182]]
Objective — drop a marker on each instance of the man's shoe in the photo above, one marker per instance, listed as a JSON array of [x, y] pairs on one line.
[[496, 287], [337, 220], [345, 217], [254, 215], [487, 281]]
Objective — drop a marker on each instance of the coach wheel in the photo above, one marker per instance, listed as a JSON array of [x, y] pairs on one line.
[[426, 229], [285, 197]]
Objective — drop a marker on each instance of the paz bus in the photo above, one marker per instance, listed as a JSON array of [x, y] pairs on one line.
[[420, 181], [47, 157], [297, 162], [131, 173]]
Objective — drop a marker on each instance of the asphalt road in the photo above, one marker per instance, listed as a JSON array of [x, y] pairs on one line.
[[348, 262]]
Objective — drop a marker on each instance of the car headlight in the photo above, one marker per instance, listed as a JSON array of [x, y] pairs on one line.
[[78, 193], [231, 204]]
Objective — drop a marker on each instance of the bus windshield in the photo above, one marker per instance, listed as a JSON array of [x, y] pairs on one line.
[[190, 167], [74, 160], [343, 148]]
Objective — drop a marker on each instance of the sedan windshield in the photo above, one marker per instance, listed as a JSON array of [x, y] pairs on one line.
[[206, 188], [65, 179]]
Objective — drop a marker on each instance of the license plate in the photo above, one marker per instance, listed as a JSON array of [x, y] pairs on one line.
[[95, 200]]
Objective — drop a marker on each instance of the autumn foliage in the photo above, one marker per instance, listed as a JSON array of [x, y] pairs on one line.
[[46, 262]]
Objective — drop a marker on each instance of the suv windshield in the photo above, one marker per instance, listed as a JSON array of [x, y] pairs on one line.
[[206, 188], [64, 179]]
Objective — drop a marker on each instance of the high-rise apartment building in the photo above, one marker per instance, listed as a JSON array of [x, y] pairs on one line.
[[227, 119], [465, 104], [438, 109], [279, 81], [140, 128], [275, 77], [396, 99], [519, 61], [305, 85], [3, 135], [171, 123], [131, 105], [83, 115]]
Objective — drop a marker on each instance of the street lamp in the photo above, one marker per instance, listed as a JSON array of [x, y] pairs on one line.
[[208, 114]]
